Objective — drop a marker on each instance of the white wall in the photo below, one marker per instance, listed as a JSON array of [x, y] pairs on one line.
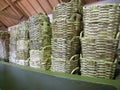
[[51, 17]]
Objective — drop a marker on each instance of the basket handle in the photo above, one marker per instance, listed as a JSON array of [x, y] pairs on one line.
[[76, 55], [118, 35], [75, 37], [81, 56], [46, 47], [77, 68], [81, 34], [75, 17]]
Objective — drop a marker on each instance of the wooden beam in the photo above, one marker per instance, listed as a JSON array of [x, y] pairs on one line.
[[3, 26], [5, 7], [32, 6], [3, 14], [15, 9], [41, 6], [49, 4], [22, 15]]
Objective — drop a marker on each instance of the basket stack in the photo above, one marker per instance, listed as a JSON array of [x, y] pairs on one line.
[[40, 41], [4, 44], [22, 44], [66, 28], [118, 51], [13, 43], [100, 40]]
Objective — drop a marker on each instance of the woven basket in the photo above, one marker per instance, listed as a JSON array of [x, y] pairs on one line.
[[22, 55], [23, 30], [65, 66], [100, 30], [34, 33], [65, 10], [63, 48], [34, 64], [22, 62], [62, 10], [13, 31], [65, 28], [22, 45], [45, 56], [12, 56], [101, 13], [42, 57], [46, 40], [35, 55], [35, 44], [77, 6], [4, 35], [98, 68], [99, 48], [46, 64], [39, 25]]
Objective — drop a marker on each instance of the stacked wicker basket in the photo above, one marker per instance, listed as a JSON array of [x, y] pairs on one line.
[[100, 40], [66, 28], [22, 44], [4, 45], [118, 51], [40, 41], [13, 43]]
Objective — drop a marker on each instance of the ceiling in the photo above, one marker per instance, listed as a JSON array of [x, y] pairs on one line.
[[14, 11]]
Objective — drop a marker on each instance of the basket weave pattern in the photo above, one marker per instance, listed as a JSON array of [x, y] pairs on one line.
[[4, 45], [22, 49], [13, 43], [40, 41], [66, 28], [100, 40]]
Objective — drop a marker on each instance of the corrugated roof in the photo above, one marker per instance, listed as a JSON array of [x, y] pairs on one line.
[[14, 11]]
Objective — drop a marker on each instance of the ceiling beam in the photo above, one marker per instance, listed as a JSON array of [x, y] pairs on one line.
[[15, 9], [22, 15], [3, 26], [5, 7], [41, 6], [49, 4], [3, 14]]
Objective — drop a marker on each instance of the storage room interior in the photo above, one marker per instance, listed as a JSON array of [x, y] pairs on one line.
[[60, 44]]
